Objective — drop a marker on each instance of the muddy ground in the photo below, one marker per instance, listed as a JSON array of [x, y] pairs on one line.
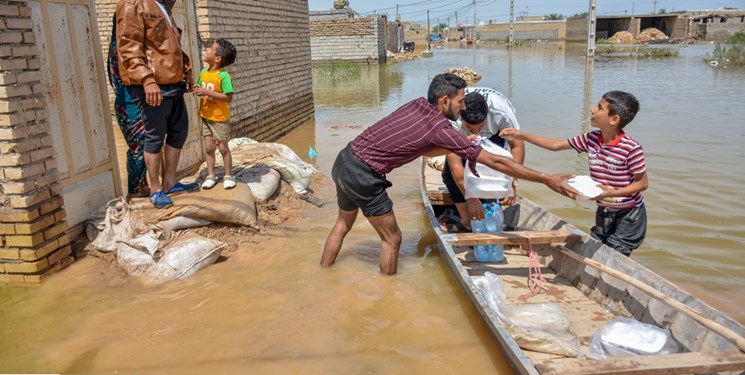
[[274, 217]]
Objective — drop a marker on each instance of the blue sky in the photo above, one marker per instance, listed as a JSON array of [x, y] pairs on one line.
[[499, 10]]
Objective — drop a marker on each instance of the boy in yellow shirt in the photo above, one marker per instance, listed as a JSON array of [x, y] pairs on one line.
[[215, 87]]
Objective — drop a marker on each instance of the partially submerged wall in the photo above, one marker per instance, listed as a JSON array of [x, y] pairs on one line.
[[355, 39], [551, 30], [33, 241]]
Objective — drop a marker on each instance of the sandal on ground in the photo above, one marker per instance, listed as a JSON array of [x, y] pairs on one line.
[[179, 187], [228, 182], [454, 228], [160, 199], [209, 182]]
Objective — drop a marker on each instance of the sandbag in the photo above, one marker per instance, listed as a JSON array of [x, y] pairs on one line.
[[292, 168], [261, 179], [233, 206], [160, 256], [182, 222], [115, 225]]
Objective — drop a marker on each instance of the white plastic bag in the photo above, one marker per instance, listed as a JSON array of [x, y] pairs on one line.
[[491, 184], [542, 327], [623, 337]]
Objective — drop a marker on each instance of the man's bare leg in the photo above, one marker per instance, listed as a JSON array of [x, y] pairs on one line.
[[465, 217], [343, 225], [172, 156], [390, 235], [152, 163]]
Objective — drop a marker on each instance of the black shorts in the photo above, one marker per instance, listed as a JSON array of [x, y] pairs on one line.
[[447, 178], [623, 230], [358, 186], [167, 122]]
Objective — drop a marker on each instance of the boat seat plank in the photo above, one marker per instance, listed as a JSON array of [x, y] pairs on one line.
[[515, 238], [680, 363]]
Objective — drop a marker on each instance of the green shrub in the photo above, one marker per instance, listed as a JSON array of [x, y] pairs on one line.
[[730, 53], [656, 53]]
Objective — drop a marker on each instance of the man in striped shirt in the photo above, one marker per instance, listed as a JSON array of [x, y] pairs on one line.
[[616, 164], [420, 127]]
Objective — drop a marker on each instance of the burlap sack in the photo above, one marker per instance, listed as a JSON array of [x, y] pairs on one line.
[[234, 206]]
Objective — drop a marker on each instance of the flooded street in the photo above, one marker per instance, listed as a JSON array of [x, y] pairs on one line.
[[270, 309]]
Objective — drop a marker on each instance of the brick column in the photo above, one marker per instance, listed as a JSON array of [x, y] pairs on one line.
[[33, 241]]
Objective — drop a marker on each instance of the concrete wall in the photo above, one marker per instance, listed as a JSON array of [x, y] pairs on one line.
[[357, 39], [719, 32], [33, 238]]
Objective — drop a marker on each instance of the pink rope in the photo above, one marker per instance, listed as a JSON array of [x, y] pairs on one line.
[[535, 277]]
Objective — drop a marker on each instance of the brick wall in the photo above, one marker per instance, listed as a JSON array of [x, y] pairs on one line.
[[576, 28], [523, 31], [272, 73], [33, 242], [357, 39]]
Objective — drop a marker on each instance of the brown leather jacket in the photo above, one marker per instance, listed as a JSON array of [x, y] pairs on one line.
[[149, 48]]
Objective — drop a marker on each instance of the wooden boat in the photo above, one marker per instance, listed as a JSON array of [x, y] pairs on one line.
[[592, 284]]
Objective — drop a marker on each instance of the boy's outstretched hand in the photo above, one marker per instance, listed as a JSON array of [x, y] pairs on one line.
[[510, 134]]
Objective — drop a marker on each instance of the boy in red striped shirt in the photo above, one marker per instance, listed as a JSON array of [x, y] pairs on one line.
[[616, 164]]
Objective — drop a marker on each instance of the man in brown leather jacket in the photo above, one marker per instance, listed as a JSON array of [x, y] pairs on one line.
[[158, 73]]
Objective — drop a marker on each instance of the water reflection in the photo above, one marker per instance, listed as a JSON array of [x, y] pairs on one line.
[[349, 84]]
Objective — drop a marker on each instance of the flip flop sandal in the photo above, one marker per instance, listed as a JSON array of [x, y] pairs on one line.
[[228, 182], [209, 182], [160, 199], [179, 187], [454, 228]]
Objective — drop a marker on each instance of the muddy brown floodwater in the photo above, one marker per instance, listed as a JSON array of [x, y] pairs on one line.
[[270, 309]]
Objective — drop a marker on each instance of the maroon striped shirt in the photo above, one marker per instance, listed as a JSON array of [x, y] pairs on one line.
[[408, 133]]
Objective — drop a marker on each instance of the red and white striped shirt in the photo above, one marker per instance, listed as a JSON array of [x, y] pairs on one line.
[[406, 134], [613, 164]]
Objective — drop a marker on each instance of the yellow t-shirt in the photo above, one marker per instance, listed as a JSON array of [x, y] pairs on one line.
[[217, 80]]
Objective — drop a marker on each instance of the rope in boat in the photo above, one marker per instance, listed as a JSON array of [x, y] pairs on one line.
[[535, 277]]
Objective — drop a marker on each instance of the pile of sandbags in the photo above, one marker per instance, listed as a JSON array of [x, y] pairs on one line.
[[651, 34], [623, 37], [150, 243], [466, 73]]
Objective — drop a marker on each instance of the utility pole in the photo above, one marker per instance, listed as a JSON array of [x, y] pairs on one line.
[[654, 10], [456, 24], [429, 37], [591, 24], [632, 9], [473, 32], [511, 39]]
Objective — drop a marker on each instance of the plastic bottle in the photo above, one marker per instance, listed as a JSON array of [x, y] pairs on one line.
[[480, 251], [496, 252]]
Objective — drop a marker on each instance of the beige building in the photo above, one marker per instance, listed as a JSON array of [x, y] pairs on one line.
[[58, 154]]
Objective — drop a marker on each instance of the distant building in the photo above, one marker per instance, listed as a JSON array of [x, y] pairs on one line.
[[699, 24]]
